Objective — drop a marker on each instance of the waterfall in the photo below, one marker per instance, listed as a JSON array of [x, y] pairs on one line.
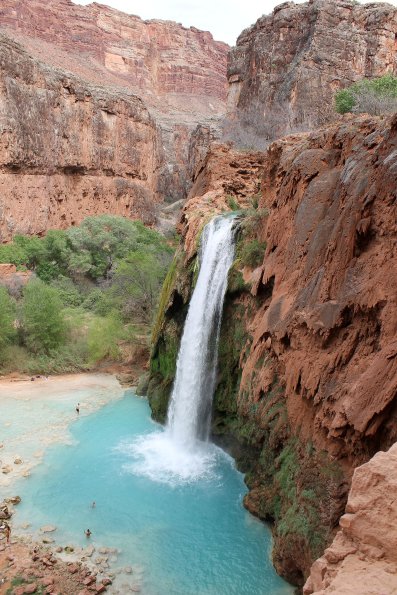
[[181, 453], [189, 413]]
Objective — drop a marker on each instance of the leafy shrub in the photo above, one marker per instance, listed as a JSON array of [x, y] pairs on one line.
[[7, 318], [90, 282], [68, 292], [103, 339], [232, 203], [373, 96], [252, 253], [43, 320], [137, 282]]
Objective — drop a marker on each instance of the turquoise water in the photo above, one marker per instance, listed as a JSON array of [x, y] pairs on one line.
[[179, 537]]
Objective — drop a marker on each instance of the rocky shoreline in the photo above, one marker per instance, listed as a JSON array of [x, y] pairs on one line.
[[38, 563], [27, 566]]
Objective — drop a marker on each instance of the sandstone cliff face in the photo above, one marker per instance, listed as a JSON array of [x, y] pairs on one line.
[[286, 68], [307, 371], [159, 58], [179, 74], [363, 554], [69, 149]]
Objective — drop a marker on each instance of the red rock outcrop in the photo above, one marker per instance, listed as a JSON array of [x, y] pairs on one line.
[[112, 60], [12, 279], [224, 177], [286, 68], [325, 329], [363, 556], [161, 60], [331, 238]]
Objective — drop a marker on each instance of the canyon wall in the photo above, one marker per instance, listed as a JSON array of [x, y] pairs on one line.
[[307, 379], [285, 69], [69, 149], [99, 111]]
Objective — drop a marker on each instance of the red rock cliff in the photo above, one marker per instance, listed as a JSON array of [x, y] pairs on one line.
[[91, 91], [286, 68], [69, 149]]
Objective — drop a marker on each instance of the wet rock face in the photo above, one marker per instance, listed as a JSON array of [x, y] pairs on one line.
[[364, 549], [331, 248], [286, 68], [98, 110], [319, 378]]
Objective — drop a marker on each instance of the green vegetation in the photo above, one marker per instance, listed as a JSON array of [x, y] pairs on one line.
[[232, 203], [18, 581], [7, 317], [94, 289], [373, 96], [43, 321], [252, 253]]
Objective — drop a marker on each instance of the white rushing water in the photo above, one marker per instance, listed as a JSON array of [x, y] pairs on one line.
[[189, 413], [180, 453]]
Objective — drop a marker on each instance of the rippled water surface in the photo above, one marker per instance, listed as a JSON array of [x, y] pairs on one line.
[[183, 533]]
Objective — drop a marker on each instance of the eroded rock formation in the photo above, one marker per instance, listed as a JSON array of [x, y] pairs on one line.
[[98, 111], [307, 373], [69, 149], [286, 68], [363, 554]]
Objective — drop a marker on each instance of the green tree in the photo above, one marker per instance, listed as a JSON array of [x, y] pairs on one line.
[[43, 320], [137, 282], [99, 242], [344, 101], [103, 338], [7, 318]]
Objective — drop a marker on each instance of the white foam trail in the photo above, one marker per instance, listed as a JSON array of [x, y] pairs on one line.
[[158, 457]]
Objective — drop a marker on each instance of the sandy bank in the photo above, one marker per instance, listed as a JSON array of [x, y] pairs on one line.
[[36, 414]]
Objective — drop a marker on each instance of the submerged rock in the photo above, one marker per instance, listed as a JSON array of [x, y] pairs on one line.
[[48, 528], [13, 500]]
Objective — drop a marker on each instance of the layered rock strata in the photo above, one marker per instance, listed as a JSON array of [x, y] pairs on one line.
[[69, 149], [364, 551], [98, 92], [285, 69], [307, 371]]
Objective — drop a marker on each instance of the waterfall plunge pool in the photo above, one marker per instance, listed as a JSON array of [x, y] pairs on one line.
[[174, 535]]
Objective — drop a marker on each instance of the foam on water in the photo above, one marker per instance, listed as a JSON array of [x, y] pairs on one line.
[[160, 458]]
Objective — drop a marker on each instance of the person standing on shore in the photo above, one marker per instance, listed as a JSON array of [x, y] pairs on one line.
[[7, 533], [78, 408]]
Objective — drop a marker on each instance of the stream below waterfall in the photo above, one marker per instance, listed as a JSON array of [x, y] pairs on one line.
[[175, 537]]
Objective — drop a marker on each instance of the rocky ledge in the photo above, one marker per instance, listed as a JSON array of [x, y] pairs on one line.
[[364, 551]]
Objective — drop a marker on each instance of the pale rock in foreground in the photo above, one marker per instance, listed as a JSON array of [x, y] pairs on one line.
[[363, 556]]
